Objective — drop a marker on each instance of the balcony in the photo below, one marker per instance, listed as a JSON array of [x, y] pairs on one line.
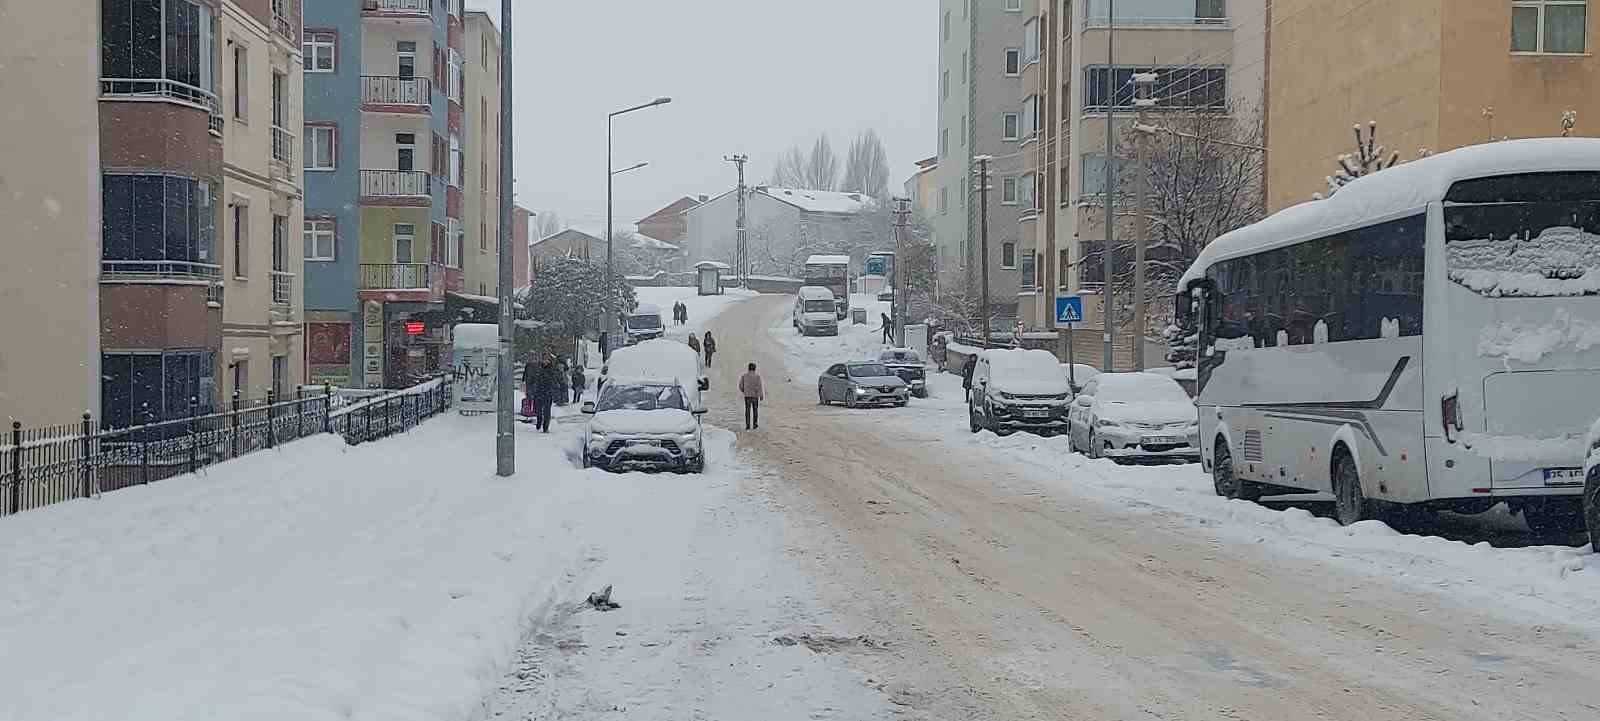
[[397, 8], [282, 25], [282, 147], [395, 90], [1103, 21], [176, 271], [396, 276], [282, 289], [163, 89], [407, 184]]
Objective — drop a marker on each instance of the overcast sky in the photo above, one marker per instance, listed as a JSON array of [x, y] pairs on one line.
[[745, 76]]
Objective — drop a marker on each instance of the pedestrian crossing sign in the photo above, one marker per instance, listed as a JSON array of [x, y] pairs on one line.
[[1069, 309]]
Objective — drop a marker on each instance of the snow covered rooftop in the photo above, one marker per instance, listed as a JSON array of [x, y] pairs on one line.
[[821, 201], [828, 260], [713, 264], [640, 240], [1397, 191]]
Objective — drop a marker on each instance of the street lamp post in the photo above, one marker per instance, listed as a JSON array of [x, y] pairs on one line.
[[505, 441], [611, 292]]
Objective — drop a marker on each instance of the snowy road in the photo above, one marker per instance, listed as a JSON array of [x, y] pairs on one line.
[[999, 592]]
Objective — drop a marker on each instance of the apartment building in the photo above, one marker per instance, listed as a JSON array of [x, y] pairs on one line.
[[1434, 74], [980, 113], [384, 228], [1207, 56], [261, 200], [923, 190], [481, 257], [49, 290]]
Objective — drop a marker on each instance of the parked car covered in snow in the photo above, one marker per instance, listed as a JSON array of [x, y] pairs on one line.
[[862, 383], [647, 415], [1013, 389], [1078, 374], [645, 323], [905, 363], [1135, 415]]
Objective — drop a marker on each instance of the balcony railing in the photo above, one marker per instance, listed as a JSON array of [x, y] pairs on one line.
[[282, 288], [177, 270], [1102, 21], [282, 146], [395, 276], [282, 25], [395, 90], [402, 6], [395, 183], [164, 89]]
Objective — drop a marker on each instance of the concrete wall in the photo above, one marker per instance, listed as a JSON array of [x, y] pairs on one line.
[[377, 233], [48, 293]]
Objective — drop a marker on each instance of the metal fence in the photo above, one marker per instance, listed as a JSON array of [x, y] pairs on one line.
[[45, 465]]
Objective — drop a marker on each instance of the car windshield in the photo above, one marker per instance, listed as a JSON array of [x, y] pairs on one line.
[[644, 322], [1139, 388], [819, 306], [867, 370], [642, 397]]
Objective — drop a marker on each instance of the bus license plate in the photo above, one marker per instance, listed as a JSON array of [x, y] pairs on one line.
[[1563, 476]]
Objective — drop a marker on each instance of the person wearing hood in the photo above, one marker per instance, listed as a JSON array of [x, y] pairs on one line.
[[546, 383], [710, 345]]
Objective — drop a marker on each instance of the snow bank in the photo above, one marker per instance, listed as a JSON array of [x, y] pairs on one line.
[[1530, 342]]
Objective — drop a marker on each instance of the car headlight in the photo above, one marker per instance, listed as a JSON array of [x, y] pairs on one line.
[[598, 434], [860, 391], [1007, 396], [1107, 423]]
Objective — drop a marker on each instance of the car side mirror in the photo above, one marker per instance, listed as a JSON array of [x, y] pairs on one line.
[[1085, 401], [705, 383], [588, 407], [698, 410]]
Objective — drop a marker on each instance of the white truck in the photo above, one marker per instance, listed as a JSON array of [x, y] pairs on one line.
[[831, 272]]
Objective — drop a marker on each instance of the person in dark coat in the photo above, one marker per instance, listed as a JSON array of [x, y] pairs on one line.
[[888, 328], [710, 344], [578, 382], [683, 312], [562, 374], [544, 388], [694, 343]]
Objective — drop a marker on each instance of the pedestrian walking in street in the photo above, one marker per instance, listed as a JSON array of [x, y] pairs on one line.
[[578, 382], [562, 374], [888, 328], [750, 388], [710, 344], [545, 384], [694, 344], [683, 313]]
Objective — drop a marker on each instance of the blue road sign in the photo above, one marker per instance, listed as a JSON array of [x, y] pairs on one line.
[[876, 265], [1069, 309]]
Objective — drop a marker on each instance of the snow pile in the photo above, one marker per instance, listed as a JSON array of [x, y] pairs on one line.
[[1529, 342], [1561, 261], [1525, 448], [807, 356]]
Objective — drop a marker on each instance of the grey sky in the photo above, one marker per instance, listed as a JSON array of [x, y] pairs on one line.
[[750, 76]]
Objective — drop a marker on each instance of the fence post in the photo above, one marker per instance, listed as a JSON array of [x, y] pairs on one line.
[[388, 415], [272, 431], [299, 411], [16, 466], [194, 438], [144, 451], [233, 423], [327, 407], [88, 468]]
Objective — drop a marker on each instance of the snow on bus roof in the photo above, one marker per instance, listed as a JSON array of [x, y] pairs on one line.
[[828, 260], [1399, 190]]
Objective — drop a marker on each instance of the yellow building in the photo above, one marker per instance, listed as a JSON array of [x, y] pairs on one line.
[[1434, 74], [480, 263]]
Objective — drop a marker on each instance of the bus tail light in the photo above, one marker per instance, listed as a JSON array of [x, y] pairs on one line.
[[1450, 415]]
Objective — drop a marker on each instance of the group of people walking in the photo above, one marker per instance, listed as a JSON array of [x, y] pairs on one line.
[[549, 382], [707, 347], [680, 312]]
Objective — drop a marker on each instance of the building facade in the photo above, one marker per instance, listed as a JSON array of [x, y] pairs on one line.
[[49, 290], [569, 243], [1434, 74], [670, 223], [784, 225], [481, 186], [521, 230]]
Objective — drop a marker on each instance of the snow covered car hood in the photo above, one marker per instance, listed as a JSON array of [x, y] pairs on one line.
[[1031, 386], [877, 380], [1163, 412], [660, 422]]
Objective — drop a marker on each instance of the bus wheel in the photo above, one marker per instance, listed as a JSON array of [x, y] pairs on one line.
[[1226, 482], [1554, 516], [1349, 503], [1591, 508]]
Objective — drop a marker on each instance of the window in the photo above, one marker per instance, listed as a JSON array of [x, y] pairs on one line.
[[944, 142], [963, 67], [1013, 61], [241, 238], [944, 86], [1008, 255], [405, 58], [1176, 86], [1030, 40], [322, 143], [157, 223], [944, 26], [170, 40], [1062, 190], [483, 237], [241, 81], [321, 239], [944, 200], [1030, 116], [454, 243], [456, 160], [1009, 126], [405, 237], [280, 376], [483, 51], [280, 243], [1548, 26], [137, 387], [279, 109], [1094, 173], [963, 136], [1210, 12], [405, 153], [1008, 191], [1029, 277], [1063, 266], [1357, 285], [1027, 191], [455, 78], [320, 48], [1013, 6]]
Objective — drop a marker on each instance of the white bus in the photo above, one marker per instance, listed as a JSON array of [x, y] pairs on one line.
[[1428, 335]]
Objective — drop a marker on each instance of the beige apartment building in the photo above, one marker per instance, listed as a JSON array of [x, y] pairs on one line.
[[50, 200], [261, 238], [1434, 74], [481, 198]]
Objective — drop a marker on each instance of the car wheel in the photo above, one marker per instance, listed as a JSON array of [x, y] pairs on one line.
[[972, 419], [698, 465], [822, 397], [849, 399], [1591, 509], [1554, 516], [900, 404], [1349, 503]]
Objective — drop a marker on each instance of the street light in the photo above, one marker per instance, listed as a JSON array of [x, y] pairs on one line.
[[611, 294], [505, 441], [635, 166]]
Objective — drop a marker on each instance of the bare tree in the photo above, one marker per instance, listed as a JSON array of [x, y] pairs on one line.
[[547, 223], [866, 166], [822, 166], [790, 171], [1369, 158]]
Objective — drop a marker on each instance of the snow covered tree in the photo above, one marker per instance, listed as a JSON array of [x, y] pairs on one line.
[[1369, 158], [572, 292], [866, 167]]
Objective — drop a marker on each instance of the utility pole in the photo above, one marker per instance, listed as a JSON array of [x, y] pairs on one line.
[[505, 446], [902, 217], [1143, 83], [983, 237], [741, 252], [1108, 253]]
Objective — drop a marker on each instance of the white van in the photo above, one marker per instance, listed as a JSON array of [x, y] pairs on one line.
[[815, 311], [645, 323]]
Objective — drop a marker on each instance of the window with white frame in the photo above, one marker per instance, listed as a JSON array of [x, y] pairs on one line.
[[455, 242], [1008, 191], [1549, 26], [1030, 116], [405, 241], [1013, 61], [1013, 6], [1027, 192], [456, 79], [321, 149], [456, 160], [1010, 126], [319, 48], [1030, 40], [944, 86], [320, 239], [405, 58]]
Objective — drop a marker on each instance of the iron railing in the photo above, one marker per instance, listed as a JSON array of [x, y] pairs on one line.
[[395, 90], [410, 6], [166, 269], [164, 89], [1104, 21], [46, 465], [282, 146], [283, 26], [395, 183], [396, 276], [282, 288]]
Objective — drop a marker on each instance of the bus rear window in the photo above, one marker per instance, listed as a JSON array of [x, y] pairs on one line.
[[1527, 235]]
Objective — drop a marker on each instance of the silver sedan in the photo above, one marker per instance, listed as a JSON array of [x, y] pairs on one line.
[[865, 383]]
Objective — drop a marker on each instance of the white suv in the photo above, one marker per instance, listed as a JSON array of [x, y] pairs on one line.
[[647, 416]]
